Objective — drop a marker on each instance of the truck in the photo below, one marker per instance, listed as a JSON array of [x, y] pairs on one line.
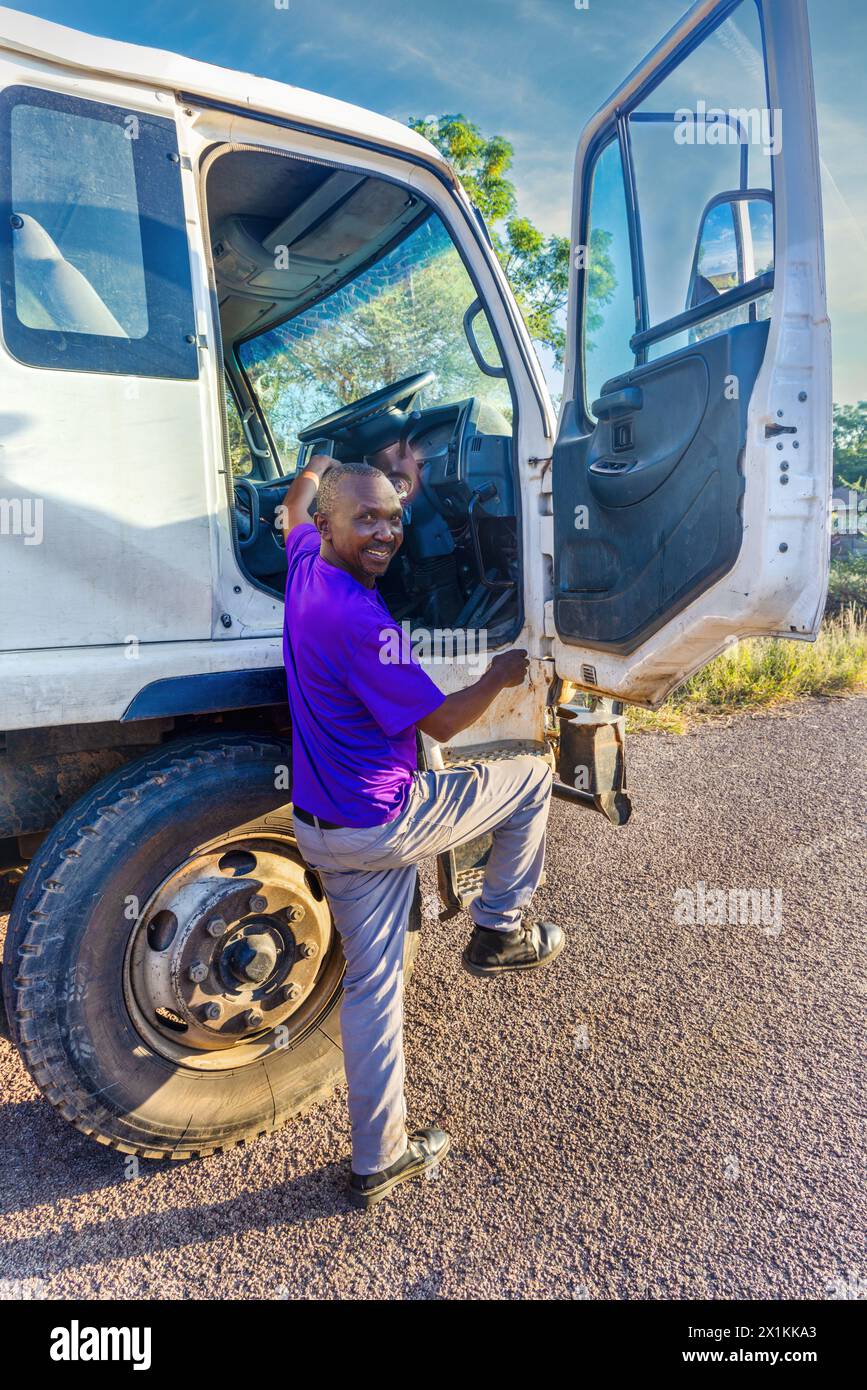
[[207, 276]]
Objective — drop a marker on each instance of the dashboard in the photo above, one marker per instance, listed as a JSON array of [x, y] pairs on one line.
[[461, 448], [431, 440], [450, 457]]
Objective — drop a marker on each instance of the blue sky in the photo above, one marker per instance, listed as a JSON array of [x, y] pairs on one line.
[[532, 70]]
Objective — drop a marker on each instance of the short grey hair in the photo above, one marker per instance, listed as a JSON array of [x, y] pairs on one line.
[[326, 495]]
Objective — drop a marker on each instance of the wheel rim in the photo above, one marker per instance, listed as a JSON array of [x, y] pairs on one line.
[[233, 956]]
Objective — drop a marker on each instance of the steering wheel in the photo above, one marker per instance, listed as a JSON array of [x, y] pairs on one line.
[[350, 417], [246, 488]]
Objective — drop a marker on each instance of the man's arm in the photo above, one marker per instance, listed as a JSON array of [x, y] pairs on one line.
[[295, 507], [464, 707]]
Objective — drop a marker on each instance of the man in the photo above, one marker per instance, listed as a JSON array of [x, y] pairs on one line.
[[365, 816]]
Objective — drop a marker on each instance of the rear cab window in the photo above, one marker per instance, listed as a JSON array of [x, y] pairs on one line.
[[94, 260]]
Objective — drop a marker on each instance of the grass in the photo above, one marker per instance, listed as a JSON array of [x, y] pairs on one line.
[[762, 673], [847, 584]]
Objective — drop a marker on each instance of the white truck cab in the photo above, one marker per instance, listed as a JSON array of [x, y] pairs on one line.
[[206, 276]]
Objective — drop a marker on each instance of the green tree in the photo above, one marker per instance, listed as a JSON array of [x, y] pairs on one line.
[[537, 266], [850, 445], [481, 164], [403, 313]]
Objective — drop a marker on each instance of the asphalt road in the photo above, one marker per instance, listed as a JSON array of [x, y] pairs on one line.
[[674, 1110]]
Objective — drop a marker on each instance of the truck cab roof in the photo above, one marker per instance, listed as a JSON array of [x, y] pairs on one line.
[[166, 71]]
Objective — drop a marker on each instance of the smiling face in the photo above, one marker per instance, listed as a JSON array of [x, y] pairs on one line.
[[362, 530]]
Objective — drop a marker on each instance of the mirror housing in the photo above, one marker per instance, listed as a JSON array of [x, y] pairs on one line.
[[734, 244]]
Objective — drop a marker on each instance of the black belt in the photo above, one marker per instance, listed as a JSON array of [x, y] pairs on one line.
[[316, 821]]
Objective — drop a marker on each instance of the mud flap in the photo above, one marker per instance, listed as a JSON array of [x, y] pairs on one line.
[[592, 758]]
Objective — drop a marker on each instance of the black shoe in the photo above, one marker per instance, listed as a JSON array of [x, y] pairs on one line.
[[526, 948], [424, 1150]]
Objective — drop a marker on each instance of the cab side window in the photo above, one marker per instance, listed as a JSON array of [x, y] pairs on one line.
[[95, 264], [703, 146], [681, 208], [239, 450], [609, 308]]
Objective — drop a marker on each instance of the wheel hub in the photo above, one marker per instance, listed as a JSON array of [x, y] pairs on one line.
[[230, 946], [252, 958]]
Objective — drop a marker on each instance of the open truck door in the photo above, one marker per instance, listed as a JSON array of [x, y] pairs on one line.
[[692, 469]]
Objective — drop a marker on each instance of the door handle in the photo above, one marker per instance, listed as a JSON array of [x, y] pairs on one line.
[[618, 403], [611, 467]]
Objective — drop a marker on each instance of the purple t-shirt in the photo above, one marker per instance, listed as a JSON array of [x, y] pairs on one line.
[[355, 691]]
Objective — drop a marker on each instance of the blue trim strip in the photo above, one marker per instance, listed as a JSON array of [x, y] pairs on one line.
[[208, 693]]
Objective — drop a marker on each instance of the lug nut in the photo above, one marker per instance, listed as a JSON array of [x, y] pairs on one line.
[[308, 949], [252, 1018], [291, 991], [213, 1011], [295, 913], [198, 972], [257, 903], [217, 926]]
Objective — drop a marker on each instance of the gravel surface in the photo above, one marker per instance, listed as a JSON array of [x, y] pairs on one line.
[[674, 1110]]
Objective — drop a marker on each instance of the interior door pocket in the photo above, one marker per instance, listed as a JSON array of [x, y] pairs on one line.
[[635, 544]]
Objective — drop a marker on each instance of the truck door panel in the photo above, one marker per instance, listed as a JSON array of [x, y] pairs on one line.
[[660, 490], [692, 470]]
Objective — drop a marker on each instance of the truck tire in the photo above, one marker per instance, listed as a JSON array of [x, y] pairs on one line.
[[172, 975]]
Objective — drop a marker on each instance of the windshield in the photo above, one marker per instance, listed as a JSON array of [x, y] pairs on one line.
[[402, 315]]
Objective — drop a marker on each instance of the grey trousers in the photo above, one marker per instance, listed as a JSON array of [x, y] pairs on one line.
[[369, 877]]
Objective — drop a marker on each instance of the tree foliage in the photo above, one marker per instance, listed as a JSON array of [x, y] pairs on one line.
[[481, 164], [850, 445], [537, 266], [402, 315]]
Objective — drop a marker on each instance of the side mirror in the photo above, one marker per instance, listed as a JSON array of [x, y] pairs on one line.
[[735, 244]]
